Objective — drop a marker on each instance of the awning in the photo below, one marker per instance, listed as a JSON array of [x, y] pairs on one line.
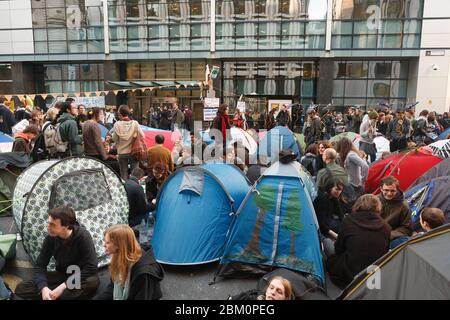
[[151, 84]]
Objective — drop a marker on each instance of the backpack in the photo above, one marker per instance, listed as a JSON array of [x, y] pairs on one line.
[[53, 140], [39, 151]]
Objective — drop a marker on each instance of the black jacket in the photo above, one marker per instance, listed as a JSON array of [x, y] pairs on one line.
[[326, 207], [78, 250], [137, 201], [145, 279], [364, 237], [309, 161], [7, 120]]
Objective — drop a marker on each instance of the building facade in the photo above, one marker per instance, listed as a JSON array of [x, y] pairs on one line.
[[345, 52]]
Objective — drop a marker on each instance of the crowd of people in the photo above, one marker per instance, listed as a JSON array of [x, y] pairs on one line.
[[355, 228]]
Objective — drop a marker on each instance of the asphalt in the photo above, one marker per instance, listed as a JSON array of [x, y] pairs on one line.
[[180, 282]]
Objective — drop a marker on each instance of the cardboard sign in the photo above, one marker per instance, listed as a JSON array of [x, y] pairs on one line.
[[212, 103], [241, 106], [209, 114]]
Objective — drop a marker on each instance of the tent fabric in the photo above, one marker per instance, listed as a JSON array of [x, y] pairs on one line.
[[416, 270], [237, 135], [16, 159], [191, 228], [444, 134], [103, 130], [433, 194], [169, 138], [442, 169], [440, 148], [275, 226], [5, 138], [70, 181], [283, 138], [349, 135], [406, 167], [6, 142]]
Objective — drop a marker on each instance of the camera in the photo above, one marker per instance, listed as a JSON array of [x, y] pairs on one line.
[[435, 67]]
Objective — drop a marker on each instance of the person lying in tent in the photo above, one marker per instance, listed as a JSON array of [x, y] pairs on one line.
[[76, 261], [278, 288]]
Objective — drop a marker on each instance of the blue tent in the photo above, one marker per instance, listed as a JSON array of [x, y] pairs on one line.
[[444, 134], [276, 226], [103, 130], [194, 213], [429, 194], [4, 138], [276, 140]]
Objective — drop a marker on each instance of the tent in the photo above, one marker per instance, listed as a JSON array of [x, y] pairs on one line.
[[276, 140], [440, 148], [416, 270], [444, 134], [276, 226], [6, 142], [406, 167], [91, 188], [11, 166], [194, 213], [103, 130], [432, 194], [442, 169], [170, 137], [237, 135], [349, 135]]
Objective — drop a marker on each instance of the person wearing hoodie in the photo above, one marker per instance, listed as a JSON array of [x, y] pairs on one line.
[[135, 274], [68, 129], [395, 210], [22, 142], [309, 160], [125, 131], [363, 238], [70, 245]]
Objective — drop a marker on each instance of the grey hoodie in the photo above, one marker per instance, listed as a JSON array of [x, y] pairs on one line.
[[124, 132]]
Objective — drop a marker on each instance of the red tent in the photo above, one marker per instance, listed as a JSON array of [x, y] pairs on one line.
[[169, 138], [406, 167]]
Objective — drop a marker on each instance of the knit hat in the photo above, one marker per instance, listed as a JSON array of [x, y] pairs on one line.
[[373, 115]]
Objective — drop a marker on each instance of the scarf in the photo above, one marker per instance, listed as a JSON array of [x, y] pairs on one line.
[[121, 293], [225, 125]]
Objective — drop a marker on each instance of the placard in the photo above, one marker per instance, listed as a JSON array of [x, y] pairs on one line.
[[88, 102], [209, 114], [212, 103], [241, 106]]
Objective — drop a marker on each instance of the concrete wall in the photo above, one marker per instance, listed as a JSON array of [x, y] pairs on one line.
[[433, 85]]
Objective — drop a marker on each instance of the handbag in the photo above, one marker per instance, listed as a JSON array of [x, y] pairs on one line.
[[138, 147]]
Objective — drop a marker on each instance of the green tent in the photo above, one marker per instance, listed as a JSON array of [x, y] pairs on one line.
[[11, 166], [349, 135]]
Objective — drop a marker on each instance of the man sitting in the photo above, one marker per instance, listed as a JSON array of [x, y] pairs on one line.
[[136, 198], [159, 153], [76, 261], [331, 170], [395, 210]]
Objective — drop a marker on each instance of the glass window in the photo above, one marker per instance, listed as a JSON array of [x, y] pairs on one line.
[[399, 88], [74, 34], [341, 42], [365, 41], [355, 88], [182, 70], [53, 86], [379, 88], [412, 26], [379, 69], [393, 9], [338, 88], [56, 17], [5, 72], [56, 34], [40, 34], [89, 72], [165, 70], [77, 46], [317, 9], [390, 41], [41, 47], [56, 3], [96, 46], [411, 41], [174, 8], [340, 27], [39, 17], [57, 47]]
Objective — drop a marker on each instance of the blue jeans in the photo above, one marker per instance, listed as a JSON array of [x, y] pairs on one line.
[[398, 241]]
